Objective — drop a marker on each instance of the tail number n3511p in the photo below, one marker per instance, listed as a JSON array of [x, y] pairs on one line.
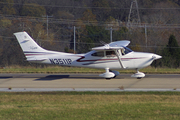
[[61, 61]]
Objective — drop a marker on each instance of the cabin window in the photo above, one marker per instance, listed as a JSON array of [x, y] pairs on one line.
[[110, 54], [98, 54]]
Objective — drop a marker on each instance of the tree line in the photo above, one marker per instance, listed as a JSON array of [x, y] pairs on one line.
[[93, 19]]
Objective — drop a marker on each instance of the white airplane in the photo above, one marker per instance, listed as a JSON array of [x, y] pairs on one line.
[[110, 57]]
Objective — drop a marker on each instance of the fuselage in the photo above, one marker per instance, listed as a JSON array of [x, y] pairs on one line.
[[131, 60]]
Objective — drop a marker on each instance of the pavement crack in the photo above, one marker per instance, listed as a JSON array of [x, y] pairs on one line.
[[134, 83]]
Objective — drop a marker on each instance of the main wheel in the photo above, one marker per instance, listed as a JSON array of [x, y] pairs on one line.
[[139, 77], [108, 78]]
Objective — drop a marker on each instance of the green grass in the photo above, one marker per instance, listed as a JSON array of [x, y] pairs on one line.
[[90, 105], [60, 69]]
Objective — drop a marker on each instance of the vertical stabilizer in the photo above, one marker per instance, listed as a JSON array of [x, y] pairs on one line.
[[31, 49], [27, 43]]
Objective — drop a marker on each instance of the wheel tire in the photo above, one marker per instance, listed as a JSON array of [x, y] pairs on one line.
[[139, 77], [114, 76]]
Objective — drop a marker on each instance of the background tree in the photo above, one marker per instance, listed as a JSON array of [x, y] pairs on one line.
[[92, 35], [88, 17], [171, 53], [101, 9], [18, 15], [33, 10], [6, 7]]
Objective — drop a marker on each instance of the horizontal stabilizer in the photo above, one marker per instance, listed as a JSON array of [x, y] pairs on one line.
[[35, 59]]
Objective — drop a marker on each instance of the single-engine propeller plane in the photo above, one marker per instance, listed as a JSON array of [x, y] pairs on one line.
[[110, 57]]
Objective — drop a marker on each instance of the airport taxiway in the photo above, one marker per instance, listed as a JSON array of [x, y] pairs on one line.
[[88, 82]]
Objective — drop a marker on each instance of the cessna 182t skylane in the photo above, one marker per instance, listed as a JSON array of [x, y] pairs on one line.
[[114, 55]]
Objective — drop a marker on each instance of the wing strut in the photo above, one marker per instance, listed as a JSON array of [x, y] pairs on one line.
[[118, 56]]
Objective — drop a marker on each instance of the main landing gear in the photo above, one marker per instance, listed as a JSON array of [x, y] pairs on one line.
[[138, 75], [109, 74]]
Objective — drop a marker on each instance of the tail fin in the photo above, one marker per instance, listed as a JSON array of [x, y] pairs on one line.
[[27, 43], [31, 49]]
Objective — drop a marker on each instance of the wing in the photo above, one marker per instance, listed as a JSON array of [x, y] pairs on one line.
[[119, 43], [113, 45]]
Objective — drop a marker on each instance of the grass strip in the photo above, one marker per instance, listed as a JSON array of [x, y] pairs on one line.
[[89, 105], [61, 69]]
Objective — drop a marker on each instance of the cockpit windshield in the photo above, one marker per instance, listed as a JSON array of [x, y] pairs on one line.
[[125, 50]]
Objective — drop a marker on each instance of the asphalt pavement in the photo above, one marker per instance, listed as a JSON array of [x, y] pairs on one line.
[[88, 82]]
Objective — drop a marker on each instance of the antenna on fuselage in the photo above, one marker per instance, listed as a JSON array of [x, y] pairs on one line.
[[103, 43]]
